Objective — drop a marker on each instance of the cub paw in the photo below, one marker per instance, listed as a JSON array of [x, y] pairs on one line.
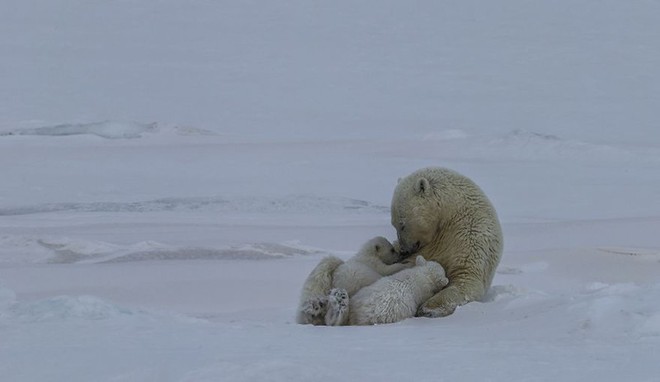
[[316, 306], [338, 297], [337, 307]]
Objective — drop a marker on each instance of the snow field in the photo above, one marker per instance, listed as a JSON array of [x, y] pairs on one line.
[[171, 172]]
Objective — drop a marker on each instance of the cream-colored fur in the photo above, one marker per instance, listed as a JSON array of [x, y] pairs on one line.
[[397, 297], [314, 295], [376, 258], [445, 217]]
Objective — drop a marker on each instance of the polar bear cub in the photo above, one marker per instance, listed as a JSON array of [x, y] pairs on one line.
[[314, 295], [397, 297], [376, 258]]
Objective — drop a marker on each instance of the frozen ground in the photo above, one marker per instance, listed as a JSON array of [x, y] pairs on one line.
[[171, 172]]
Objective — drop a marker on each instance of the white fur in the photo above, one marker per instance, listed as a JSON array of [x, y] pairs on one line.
[[314, 295], [376, 258], [445, 217], [397, 297]]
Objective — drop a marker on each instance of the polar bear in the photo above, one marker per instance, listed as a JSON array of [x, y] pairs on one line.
[[376, 258], [397, 297], [445, 217], [314, 295]]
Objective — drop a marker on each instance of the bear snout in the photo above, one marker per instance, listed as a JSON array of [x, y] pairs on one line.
[[408, 250]]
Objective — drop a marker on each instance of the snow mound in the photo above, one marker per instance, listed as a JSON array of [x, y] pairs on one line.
[[191, 131], [22, 249], [64, 308], [290, 204], [68, 251], [260, 251], [518, 145], [619, 310], [641, 253], [531, 136], [63, 250], [503, 292], [532, 145], [104, 129]]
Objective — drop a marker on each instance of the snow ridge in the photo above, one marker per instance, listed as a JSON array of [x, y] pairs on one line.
[[104, 129], [70, 251], [291, 203]]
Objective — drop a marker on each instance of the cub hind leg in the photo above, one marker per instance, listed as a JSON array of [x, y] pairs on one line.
[[313, 311], [337, 313], [313, 297]]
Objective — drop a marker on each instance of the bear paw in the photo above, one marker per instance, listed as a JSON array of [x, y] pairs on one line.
[[438, 311], [315, 307], [338, 297], [337, 307]]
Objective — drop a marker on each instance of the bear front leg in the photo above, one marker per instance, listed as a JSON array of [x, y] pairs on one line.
[[448, 299]]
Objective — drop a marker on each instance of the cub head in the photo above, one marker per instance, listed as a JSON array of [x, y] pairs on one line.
[[382, 249], [415, 213], [420, 261], [434, 270]]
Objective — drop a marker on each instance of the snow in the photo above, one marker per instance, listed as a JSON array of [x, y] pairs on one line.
[[106, 129], [172, 172]]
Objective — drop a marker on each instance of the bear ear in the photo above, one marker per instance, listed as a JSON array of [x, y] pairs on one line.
[[398, 180], [423, 187], [420, 260]]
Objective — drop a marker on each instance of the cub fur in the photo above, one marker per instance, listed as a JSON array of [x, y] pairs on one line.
[[375, 259], [397, 297]]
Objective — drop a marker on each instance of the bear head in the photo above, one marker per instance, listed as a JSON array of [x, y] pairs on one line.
[[415, 213], [382, 249]]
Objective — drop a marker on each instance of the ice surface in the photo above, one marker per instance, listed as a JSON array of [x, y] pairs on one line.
[[64, 308], [62, 250], [7, 297], [288, 204], [171, 172], [106, 129]]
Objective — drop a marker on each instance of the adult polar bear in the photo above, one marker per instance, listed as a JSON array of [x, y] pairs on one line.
[[445, 217]]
